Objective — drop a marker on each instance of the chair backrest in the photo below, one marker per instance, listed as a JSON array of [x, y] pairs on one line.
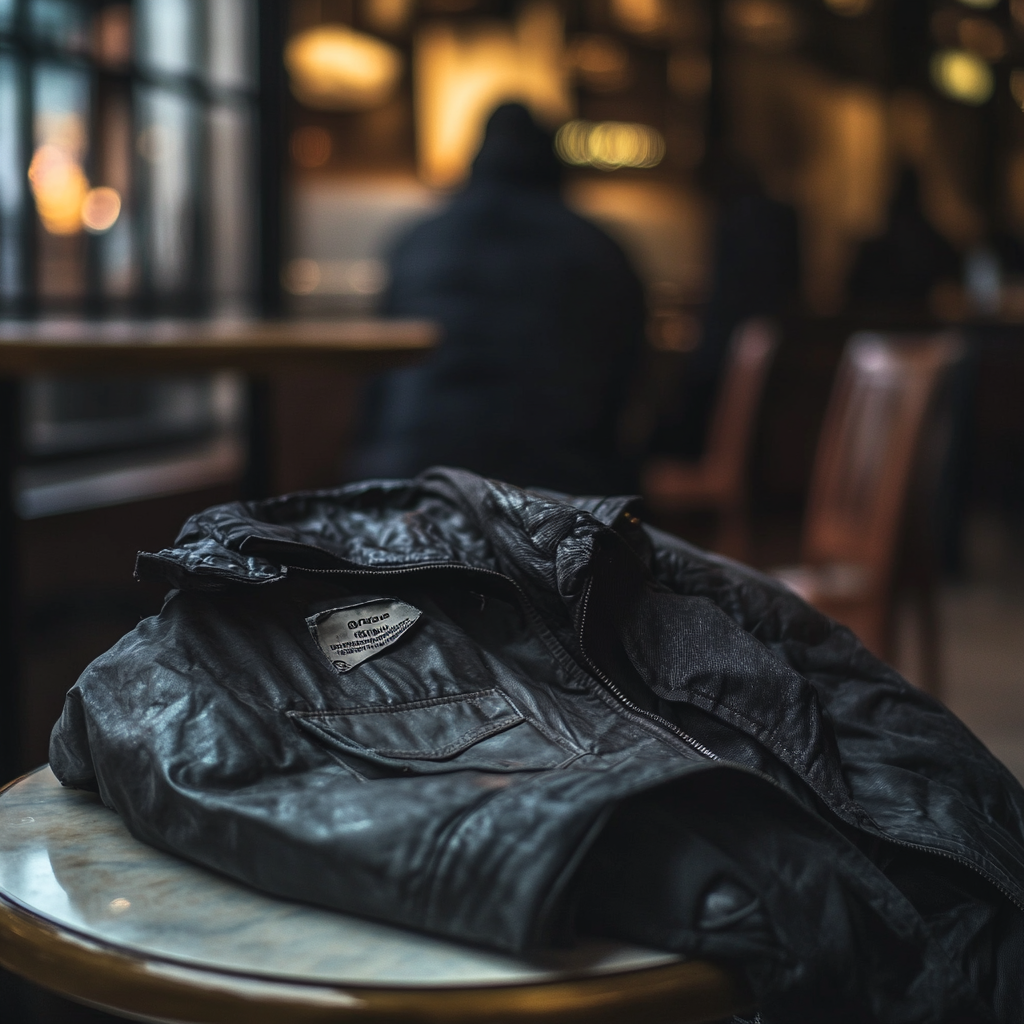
[[873, 427], [731, 430]]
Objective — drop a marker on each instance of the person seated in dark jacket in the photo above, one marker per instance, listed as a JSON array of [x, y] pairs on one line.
[[542, 320], [756, 272], [895, 274]]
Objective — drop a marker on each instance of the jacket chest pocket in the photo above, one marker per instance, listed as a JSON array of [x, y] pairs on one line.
[[479, 731]]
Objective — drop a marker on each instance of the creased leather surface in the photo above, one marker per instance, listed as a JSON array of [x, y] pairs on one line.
[[591, 725]]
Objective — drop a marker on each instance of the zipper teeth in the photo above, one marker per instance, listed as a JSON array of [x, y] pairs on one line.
[[961, 861], [623, 699], [650, 716]]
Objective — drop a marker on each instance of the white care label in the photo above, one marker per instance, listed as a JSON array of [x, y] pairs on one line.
[[348, 636]]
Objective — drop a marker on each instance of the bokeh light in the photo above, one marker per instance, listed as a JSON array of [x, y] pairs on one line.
[[334, 68], [609, 145], [59, 187], [100, 209], [962, 76]]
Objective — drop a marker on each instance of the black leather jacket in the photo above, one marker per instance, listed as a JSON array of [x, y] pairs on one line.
[[501, 716]]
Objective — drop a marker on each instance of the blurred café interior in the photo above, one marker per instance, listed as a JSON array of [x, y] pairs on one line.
[[793, 173]]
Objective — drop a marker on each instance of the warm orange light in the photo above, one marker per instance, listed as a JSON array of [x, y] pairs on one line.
[[601, 62], [334, 68], [388, 15], [311, 146], [1017, 86], [763, 23], [59, 186], [983, 37], [849, 8], [609, 145], [100, 209], [641, 16], [462, 74]]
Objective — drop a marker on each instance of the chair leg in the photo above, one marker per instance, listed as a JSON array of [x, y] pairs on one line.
[[931, 662]]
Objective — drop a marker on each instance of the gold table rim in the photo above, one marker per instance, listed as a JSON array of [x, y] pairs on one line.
[[91, 971]]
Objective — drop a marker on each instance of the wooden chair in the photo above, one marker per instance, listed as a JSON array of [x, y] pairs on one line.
[[871, 447], [718, 482], [90, 912]]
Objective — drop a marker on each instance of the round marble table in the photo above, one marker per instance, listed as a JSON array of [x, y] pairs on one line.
[[92, 913]]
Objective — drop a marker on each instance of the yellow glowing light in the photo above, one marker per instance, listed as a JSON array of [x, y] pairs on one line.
[[464, 71], [59, 187], [100, 209], [334, 68], [609, 145], [982, 5], [962, 76]]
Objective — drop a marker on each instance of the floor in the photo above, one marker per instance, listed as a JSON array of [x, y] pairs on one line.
[[982, 631]]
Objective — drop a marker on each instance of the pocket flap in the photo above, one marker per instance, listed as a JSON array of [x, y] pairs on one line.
[[465, 731]]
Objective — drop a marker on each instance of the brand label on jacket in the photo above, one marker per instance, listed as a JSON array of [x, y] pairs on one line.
[[348, 636]]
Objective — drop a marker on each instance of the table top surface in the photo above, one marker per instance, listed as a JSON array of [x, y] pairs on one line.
[[55, 345], [70, 861]]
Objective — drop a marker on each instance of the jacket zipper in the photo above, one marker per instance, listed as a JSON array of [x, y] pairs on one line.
[[962, 861], [634, 710], [624, 700]]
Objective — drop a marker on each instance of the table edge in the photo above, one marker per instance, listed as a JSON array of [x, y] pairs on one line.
[[101, 974]]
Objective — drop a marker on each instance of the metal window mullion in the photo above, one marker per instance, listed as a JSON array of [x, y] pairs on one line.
[[93, 283], [198, 298], [29, 224], [142, 220]]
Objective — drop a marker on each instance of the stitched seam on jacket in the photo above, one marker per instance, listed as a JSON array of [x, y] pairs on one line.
[[429, 753], [474, 697]]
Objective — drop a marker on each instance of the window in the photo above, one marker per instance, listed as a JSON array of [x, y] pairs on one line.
[[127, 169], [128, 187]]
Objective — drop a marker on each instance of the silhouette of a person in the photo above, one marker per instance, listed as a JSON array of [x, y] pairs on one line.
[[542, 320]]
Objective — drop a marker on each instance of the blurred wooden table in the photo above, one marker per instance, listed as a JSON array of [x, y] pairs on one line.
[[259, 348], [175, 346]]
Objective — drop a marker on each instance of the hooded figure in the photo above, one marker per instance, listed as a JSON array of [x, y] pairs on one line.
[[542, 319]]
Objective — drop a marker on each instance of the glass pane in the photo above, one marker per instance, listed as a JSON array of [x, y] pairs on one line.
[[114, 172], [71, 416], [60, 22], [6, 13], [12, 181], [231, 45], [112, 35], [167, 142], [57, 176], [168, 35], [231, 204]]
